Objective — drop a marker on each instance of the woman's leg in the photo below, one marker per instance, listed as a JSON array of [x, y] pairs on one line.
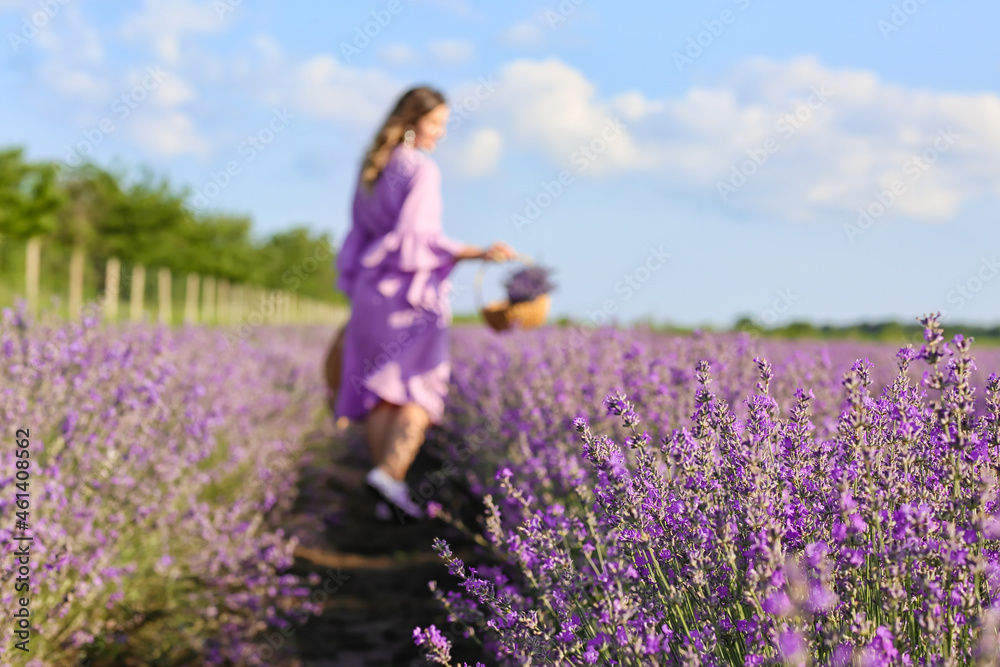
[[333, 366], [407, 428], [376, 429]]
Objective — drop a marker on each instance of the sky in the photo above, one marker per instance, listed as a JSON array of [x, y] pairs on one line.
[[688, 163]]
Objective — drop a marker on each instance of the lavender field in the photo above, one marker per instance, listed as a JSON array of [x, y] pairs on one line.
[[646, 499], [707, 501], [161, 462]]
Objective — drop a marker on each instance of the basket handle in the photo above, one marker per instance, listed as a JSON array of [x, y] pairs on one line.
[[477, 292]]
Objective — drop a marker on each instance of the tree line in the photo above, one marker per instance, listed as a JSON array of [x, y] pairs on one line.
[[147, 221]]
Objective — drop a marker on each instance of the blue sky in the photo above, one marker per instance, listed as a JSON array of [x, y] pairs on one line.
[[733, 144]]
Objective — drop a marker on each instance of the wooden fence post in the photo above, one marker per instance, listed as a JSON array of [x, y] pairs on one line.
[[165, 311], [191, 299], [76, 265], [31, 270], [136, 293], [222, 303], [208, 300], [112, 282], [237, 308]]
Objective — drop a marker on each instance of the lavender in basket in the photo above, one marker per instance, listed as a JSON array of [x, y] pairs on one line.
[[528, 284]]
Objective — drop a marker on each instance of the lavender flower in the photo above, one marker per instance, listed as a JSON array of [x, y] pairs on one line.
[[528, 284], [807, 503], [157, 484]]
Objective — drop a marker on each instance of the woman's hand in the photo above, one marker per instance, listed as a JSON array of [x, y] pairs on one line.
[[499, 252]]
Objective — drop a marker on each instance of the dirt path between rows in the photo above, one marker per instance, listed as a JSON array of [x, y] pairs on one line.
[[379, 569]]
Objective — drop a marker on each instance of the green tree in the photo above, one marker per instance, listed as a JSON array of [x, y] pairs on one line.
[[29, 195], [297, 261], [214, 245], [146, 221]]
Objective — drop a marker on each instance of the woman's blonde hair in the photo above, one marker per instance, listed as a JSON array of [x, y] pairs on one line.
[[414, 104]]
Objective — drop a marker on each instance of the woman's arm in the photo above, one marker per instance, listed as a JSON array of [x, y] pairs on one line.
[[497, 252], [471, 252]]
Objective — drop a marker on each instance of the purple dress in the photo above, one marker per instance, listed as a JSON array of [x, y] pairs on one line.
[[394, 266]]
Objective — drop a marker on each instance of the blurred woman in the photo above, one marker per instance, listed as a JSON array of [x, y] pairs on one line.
[[394, 266]]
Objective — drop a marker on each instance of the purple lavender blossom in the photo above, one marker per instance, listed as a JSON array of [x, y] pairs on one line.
[[528, 284], [809, 482], [157, 480]]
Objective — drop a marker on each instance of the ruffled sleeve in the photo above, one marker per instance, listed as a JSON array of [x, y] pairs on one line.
[[418, 244]]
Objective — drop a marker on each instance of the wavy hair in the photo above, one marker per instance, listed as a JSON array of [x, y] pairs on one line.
[[413, 105]]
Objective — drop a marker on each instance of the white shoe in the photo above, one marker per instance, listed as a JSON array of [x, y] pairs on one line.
[[394, 491]]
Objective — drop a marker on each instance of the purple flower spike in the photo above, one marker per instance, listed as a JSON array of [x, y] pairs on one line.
[[528, 284]]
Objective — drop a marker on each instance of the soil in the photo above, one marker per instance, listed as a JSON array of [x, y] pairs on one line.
[[382, 567]]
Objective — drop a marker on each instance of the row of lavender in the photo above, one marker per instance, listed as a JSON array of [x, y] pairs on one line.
[[159, 461], [655, 500]]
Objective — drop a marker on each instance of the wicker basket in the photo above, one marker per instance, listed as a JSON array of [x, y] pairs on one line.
[[502, 315]]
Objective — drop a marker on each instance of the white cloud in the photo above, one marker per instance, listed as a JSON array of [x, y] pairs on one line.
[[525, 33], [828, 162], [142, 100], [164, 23], [269, 49], [79, 85], [324, 88], [167, 135], [173, 92], [458, 7], [74, 65], [451, 51], [395, 55], [549, 107], [476, 156], [321, 86]]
